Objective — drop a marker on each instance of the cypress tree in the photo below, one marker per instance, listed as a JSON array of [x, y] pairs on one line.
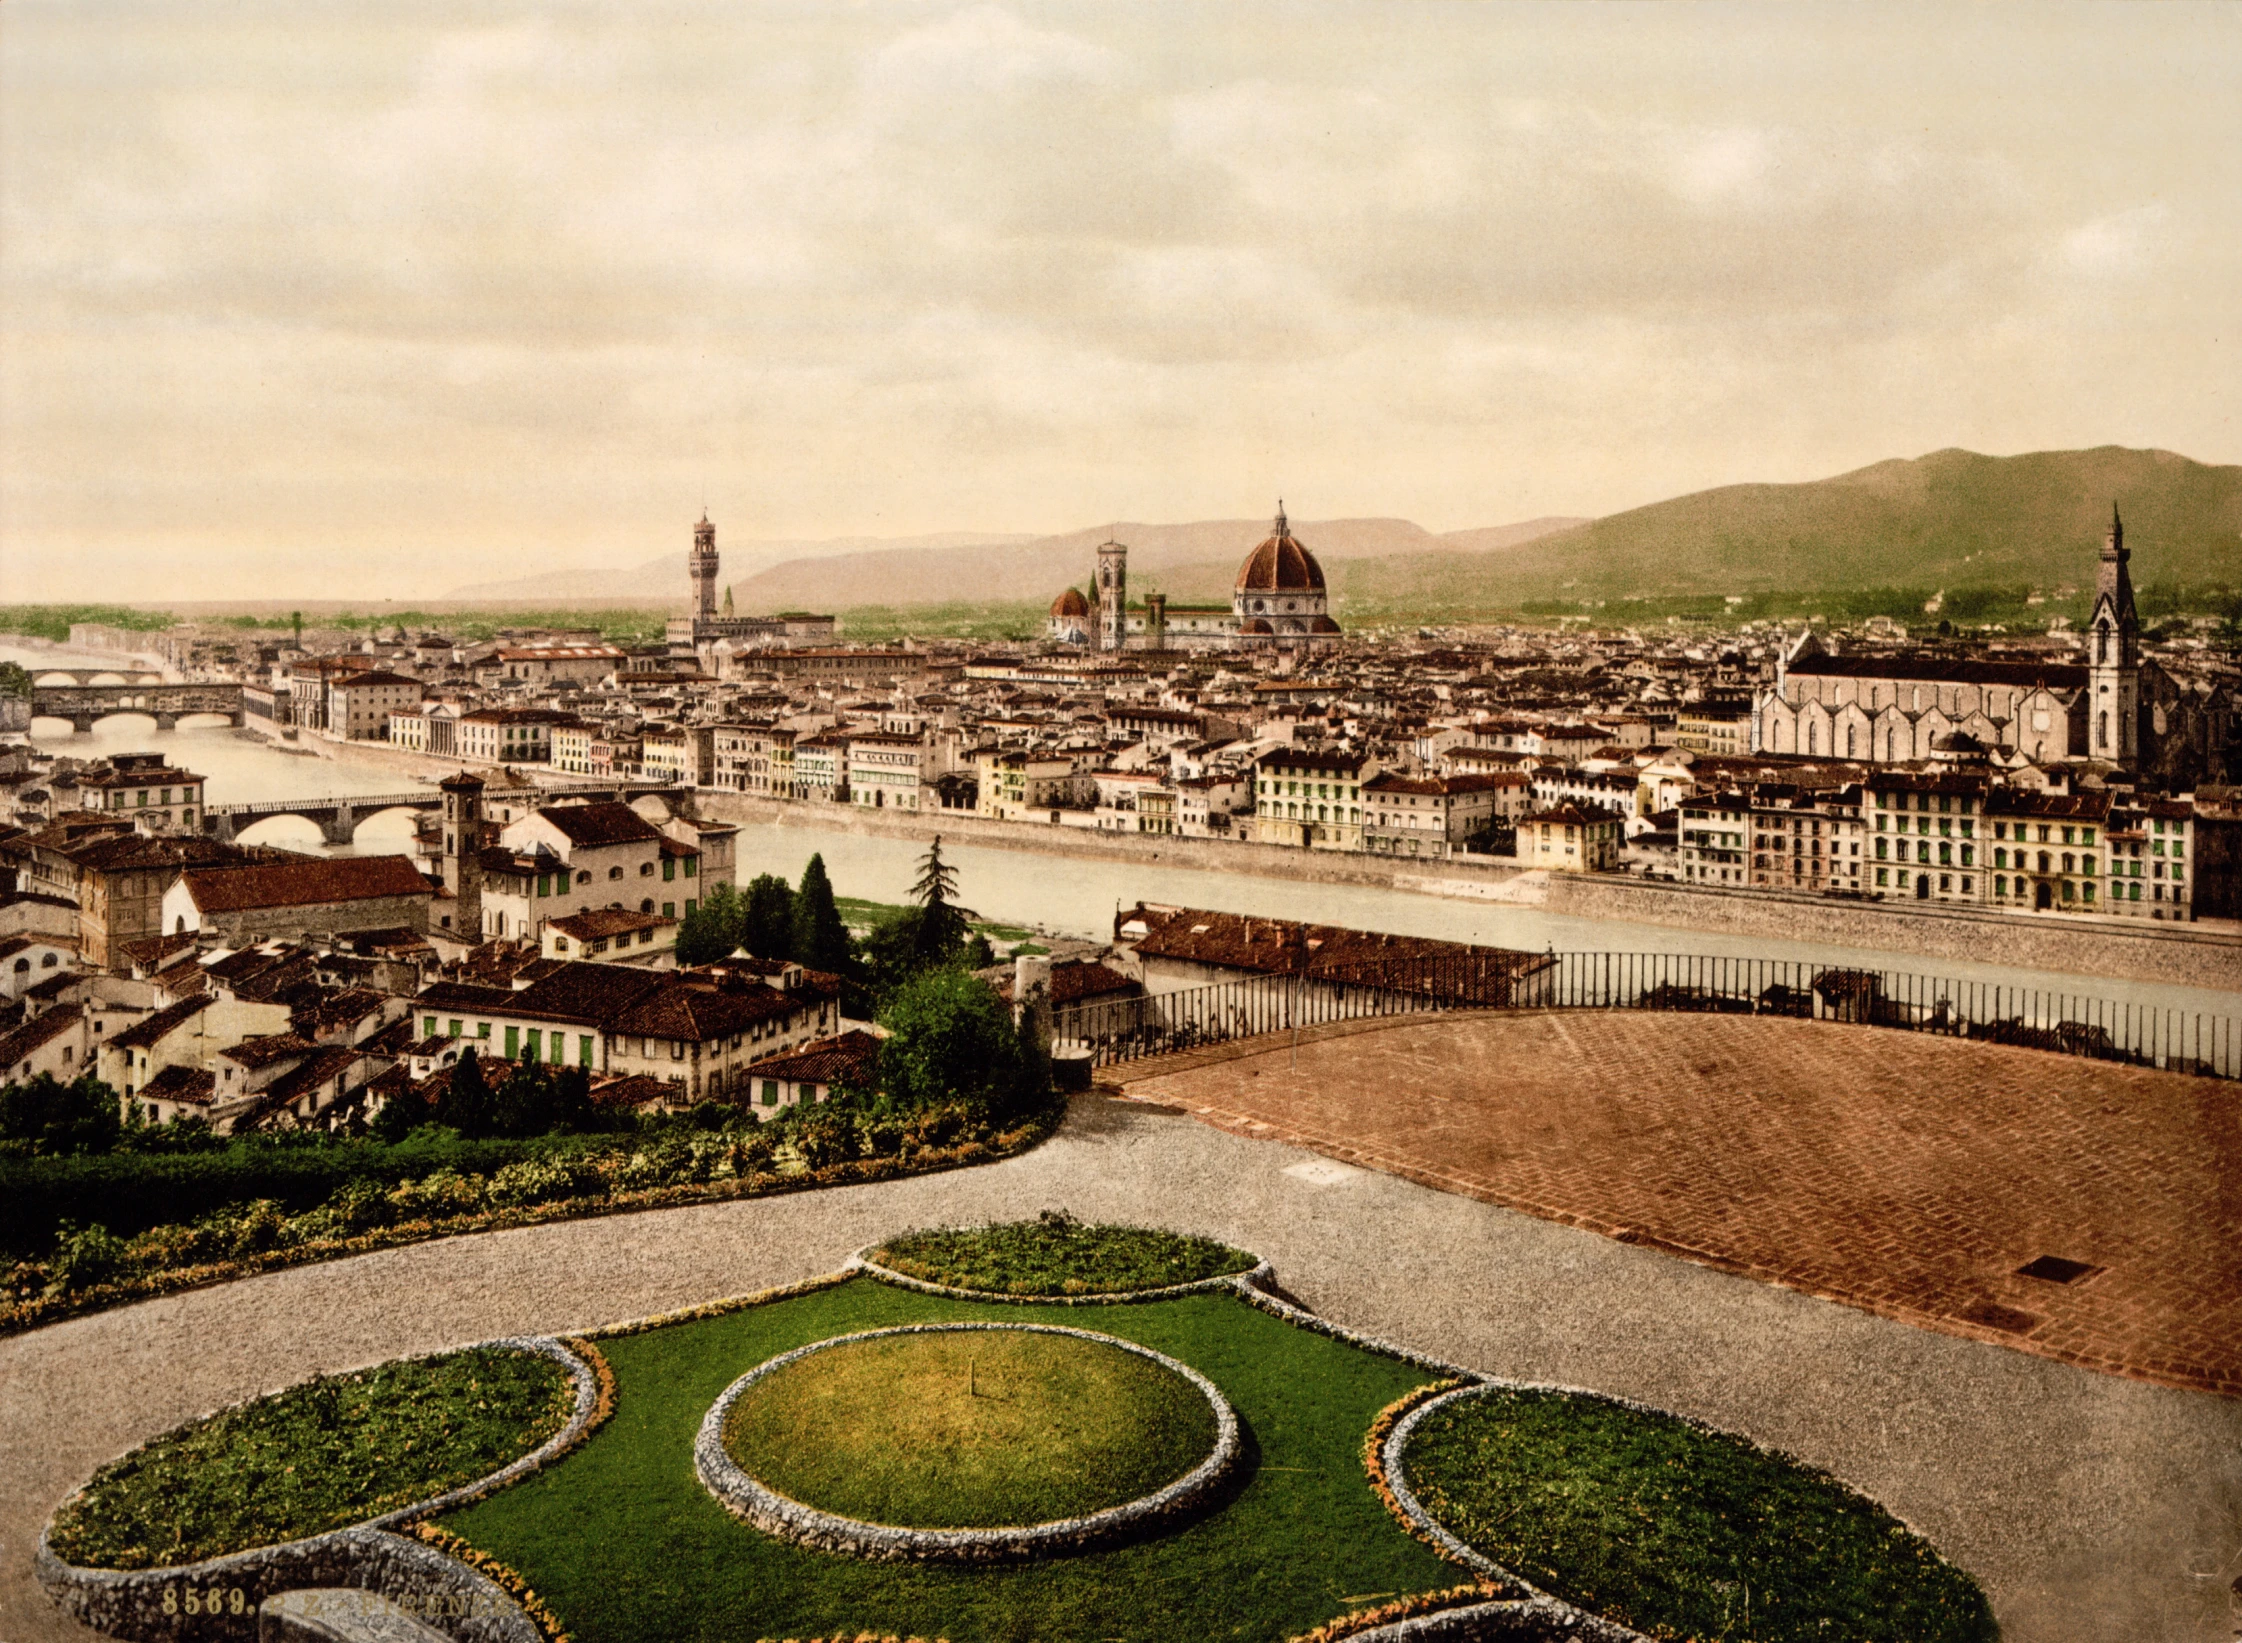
[[821, 940]]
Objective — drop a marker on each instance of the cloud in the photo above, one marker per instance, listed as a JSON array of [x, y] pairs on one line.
[[2122, 245]]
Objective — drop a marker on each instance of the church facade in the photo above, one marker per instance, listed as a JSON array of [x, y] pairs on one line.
[[2116, 708]]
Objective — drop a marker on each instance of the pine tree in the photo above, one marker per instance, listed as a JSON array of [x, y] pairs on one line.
[[940, 929], [821, 940]]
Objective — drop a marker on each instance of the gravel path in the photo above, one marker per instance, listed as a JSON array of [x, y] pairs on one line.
[[2090, 1506]]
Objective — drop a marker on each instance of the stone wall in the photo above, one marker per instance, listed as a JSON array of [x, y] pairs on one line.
[[2172, 954]]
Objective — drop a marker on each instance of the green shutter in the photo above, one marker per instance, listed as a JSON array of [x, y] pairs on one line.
[[513, 1042]]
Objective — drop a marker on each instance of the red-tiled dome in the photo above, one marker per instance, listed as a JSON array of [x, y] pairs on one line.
[[1070, 603], [1280, 565]]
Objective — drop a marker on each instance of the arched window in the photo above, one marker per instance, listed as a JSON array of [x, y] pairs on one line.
[[584, 877], [646, 906], [645, 869], [23, 966], [1848, 741], [48, 962], [1814, 739], [615, 872], [2102, 642], [179, 925]]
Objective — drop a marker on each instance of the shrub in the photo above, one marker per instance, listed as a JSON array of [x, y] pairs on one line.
[[535, 1181], [84, 1257], [951, 1040], [55, 1119]]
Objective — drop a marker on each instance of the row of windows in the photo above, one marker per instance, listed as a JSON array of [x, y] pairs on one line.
[[1946, 825], [1312, 790]]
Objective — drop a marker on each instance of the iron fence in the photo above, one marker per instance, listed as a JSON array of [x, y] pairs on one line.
[[2065, 1023]]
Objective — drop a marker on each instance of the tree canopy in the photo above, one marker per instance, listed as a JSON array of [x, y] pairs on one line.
[[951, 1039]]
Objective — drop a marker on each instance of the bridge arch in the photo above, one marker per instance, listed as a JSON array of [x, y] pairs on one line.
[[205, 721], [54, 677], [283, 828], [396, 821]]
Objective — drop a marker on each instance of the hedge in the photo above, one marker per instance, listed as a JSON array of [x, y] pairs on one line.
[[131, 1192]]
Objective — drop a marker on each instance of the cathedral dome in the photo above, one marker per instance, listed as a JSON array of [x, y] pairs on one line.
[[1280, 565], [1070, 603]]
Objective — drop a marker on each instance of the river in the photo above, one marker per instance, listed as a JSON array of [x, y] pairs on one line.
[[1063, 894]]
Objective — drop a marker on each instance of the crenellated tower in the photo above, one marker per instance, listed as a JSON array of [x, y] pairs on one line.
[[702, 567], [2113, 723]]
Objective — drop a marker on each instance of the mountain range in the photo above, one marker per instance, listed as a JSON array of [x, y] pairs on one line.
[[1950, 519]]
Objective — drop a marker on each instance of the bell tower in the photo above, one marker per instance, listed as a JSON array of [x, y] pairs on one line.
[[1113, 596], [2113, 667], [702, 566], [463, 853]]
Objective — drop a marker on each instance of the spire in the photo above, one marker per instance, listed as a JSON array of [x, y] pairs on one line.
[[2113, 545], [1281, 529]]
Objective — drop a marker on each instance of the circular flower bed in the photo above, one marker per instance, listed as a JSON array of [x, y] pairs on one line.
[[1056, 1256], [335, 1450], [966, 1441], [1671, 1528]]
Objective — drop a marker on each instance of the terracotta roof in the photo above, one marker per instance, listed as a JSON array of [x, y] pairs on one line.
[[1073, 980], [1328, 952], [597, 824], [36, 1035], [593, 994], [313, 882], [602, 922], [263, 1051], [147, 1034], [1070, 603], [852, 1057], [193, 1086], [680, 1011], [1955, 669]]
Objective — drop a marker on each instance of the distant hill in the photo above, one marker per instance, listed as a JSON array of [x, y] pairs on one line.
[[662, 581], [1192, 561], [1950, 519]]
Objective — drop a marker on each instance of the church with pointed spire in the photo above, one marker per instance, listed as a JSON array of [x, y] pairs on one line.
[[2110, 707]]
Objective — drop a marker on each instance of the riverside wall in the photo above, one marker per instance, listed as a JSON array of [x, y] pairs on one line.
[[2171, 954], [2180, 955]]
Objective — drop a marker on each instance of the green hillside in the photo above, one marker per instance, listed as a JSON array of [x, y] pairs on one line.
[[1985, 529]]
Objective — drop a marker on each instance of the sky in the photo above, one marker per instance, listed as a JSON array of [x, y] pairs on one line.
[[371, 300]]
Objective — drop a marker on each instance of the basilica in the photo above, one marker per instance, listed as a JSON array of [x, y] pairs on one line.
[[1279, 599], [2114, 708]]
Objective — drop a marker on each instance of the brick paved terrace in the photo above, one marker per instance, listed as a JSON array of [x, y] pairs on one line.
[[1907, 1175]]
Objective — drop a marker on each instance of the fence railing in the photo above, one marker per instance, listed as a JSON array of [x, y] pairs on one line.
[[2065, 1023]]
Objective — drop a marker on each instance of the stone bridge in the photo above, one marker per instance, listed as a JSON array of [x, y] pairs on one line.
[[133, 673], [337, 819], [86, 705]]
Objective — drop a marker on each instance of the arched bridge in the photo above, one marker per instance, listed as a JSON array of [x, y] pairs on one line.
[[134, 674], [338, 819], [86, 705]]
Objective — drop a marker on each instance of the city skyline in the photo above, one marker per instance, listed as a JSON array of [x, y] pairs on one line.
[[420, 298]]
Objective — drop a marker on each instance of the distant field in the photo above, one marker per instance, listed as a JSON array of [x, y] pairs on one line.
[[876, 624]]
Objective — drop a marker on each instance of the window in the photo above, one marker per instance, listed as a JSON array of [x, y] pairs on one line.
[[677, 1049], [692, 865], [615, 872], [770, 1092], [584, 1049], [536, 1044], [544, 884], [428, 1026], [513, 1042], [645, 869], [586, 877], [669, 869], [453, 1030]]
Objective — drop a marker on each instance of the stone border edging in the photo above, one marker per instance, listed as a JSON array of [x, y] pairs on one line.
[[862, 1262], [791, 1520], [129, 1603]]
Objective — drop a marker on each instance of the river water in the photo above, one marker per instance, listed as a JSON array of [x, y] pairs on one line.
[[1065, 895]]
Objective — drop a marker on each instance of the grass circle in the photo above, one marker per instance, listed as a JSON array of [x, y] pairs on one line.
[[1056, 1255], [332, 1451], [969, 1428], [1676, 1530]]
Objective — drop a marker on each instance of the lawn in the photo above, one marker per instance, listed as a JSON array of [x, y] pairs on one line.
[[332, 1451], [975, 1430], [1058, 1255], [627, 1547], [1677, 1531]]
